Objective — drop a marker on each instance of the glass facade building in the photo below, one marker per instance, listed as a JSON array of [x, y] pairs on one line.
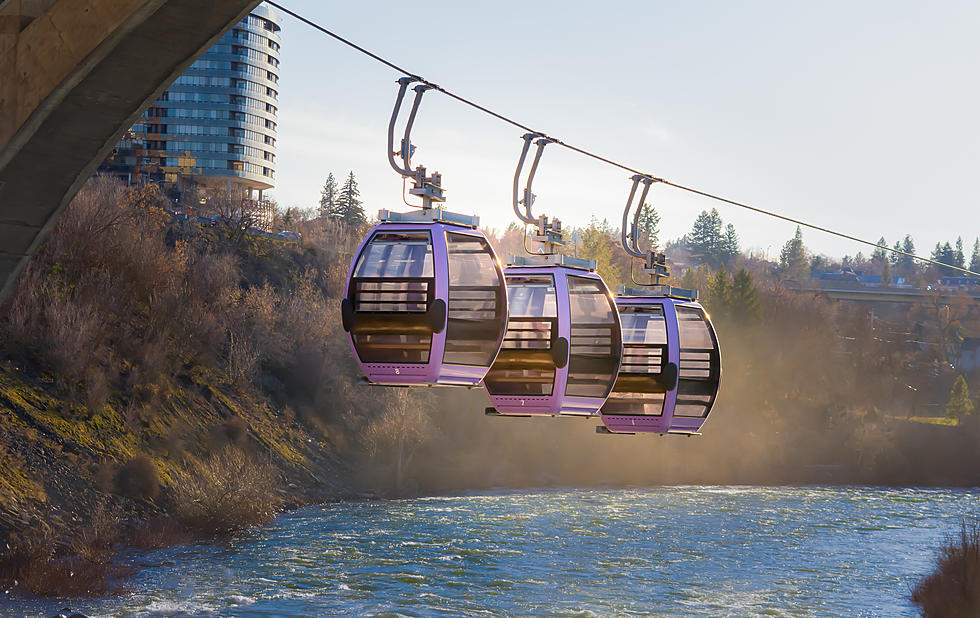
[[215, 126]]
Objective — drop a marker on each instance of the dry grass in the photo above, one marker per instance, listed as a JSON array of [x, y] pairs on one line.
[[229, 492], [952, 590], [30, 561]]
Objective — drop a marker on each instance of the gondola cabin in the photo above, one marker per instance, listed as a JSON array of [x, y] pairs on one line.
[[426, 302], [671, 364], [562, 348]]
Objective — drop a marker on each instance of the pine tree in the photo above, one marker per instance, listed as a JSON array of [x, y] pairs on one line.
[[945, 254], [960, 403], [878, 256], [907, 264], [718, 290], [328, 198], [744, 302], [959, 259], [349, 208], [975, 259], [793, 263], [649, 228], [729, 246], [886, 273], [705, 239]]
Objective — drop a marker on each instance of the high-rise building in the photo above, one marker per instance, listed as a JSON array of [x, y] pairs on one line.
[[215, 126]]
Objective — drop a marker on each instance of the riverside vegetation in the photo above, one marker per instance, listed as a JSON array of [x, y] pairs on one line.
[[163, 381]]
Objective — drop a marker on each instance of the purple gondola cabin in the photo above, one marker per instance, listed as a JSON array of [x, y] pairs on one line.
[[671, 364], [562, 349], [426, 302]]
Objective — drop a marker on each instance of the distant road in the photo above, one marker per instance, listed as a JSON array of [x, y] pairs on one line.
[[889, 295]]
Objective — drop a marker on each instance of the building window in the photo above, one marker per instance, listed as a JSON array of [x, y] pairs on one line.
[[238, 166]]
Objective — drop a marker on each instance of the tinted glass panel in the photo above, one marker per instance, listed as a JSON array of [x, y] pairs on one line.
[[393, 348], [699, 364], [525, 365], [643, 325], [532, 296], [638, 390], [476, 302], [379, 295], [595, 339], [393, 276], [635, 404], [396, 254]]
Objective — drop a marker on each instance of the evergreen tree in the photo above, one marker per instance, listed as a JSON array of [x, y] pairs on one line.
[[705, 239], [886, 273], [729, 246], [878, 256], [907, 268], [793, 263], [945, 254], [744, 302], [960, 403], [649, 228], [349, 208], [718, 291], [959, 259], [896, 258], [975, 259], [328, 198]]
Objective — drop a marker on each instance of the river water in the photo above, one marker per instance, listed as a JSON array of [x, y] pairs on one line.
[[742, 551]]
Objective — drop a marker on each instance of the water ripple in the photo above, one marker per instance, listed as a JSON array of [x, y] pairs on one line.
[[739, 551]]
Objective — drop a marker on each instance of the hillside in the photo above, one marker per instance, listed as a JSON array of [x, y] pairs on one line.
[[163, 380]]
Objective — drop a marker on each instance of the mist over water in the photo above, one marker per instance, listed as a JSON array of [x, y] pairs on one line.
[[671, 550]]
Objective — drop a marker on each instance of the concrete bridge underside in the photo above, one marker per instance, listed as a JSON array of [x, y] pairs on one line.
[[74, 76]]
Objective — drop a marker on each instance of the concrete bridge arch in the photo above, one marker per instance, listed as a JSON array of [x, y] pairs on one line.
[[74, 76]]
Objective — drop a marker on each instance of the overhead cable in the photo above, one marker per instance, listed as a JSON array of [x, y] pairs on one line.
[[597, 157]]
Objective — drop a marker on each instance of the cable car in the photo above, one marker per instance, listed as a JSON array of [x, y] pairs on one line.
[[671, 366], [563, 346], [426, 302]]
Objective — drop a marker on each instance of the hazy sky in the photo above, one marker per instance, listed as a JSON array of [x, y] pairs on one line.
[[861, 116]]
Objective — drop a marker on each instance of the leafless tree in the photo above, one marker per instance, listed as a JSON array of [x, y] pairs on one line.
[[398, 432]]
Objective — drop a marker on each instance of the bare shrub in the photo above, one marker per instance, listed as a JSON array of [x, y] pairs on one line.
[[29, 560], [243, 357], [952, 590], [138, 479], [69, 578], [231, 431], [228, 492], [397, 433], [157, 533], [96, 541], [32, 545]]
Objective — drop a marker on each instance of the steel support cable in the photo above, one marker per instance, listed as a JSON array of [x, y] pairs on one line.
[[501, 117]]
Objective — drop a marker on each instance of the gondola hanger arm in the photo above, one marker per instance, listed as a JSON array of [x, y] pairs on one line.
[[630, 235], [523, 201], [548, 233], [427, 187]]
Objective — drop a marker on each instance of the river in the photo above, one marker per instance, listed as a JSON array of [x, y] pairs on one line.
[[795, 551]]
